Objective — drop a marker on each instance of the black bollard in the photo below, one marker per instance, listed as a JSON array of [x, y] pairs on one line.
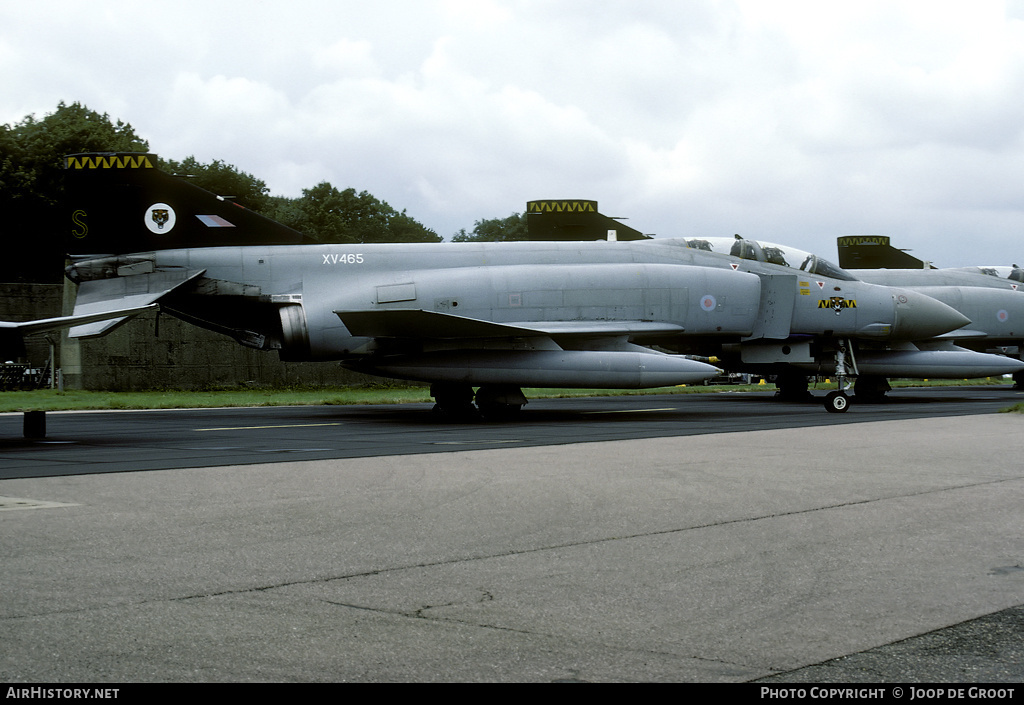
[[35, 424]]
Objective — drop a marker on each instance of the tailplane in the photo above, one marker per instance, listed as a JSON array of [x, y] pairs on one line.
[[121, 203]]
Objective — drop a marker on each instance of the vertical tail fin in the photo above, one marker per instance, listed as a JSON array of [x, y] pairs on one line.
[[875, 252], [121, 202], [574, 220]]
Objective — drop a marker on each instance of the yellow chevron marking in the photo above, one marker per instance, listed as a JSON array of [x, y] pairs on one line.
[[853, 240], [562, 206], [139, 162]]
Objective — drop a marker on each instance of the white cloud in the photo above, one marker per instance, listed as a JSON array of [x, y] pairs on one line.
[[797, 121], [346, 57]]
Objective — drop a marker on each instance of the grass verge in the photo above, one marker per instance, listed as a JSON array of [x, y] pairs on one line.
[[53, 400]]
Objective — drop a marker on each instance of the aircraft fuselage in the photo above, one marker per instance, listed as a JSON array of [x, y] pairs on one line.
[[383, 307]]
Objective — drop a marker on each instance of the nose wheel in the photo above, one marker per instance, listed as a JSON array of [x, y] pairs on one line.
[[838, 402]]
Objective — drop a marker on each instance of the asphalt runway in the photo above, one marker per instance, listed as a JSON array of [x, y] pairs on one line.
[[121, 441], [727, 539]]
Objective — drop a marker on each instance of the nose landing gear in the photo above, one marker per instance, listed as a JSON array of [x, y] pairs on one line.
[[838, 402]]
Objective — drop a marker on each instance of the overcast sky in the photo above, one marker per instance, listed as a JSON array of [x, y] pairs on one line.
[[788, 121]]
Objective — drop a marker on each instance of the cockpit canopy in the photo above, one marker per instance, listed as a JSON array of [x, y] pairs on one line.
[[1013, 273], [769, 252]]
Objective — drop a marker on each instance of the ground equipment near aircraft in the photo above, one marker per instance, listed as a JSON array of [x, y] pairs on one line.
[[492, 316]]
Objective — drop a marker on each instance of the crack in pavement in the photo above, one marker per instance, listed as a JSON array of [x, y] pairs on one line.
[[524, 551], [419, 614]]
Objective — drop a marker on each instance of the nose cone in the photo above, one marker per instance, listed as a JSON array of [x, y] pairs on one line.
[[918, 316]]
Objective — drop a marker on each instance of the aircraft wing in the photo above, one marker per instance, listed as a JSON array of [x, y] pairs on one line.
[[417, 323], [476, 352], [961, 334]]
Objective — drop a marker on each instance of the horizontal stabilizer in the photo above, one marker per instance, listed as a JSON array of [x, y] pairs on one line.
[[12, 334], [45, 325], [417, 323], [110, 296]]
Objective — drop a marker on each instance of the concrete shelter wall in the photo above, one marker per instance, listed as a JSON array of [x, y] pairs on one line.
[[134, 358]]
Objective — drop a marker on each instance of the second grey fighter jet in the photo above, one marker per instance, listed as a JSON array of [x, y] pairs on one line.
[[867, 362], [992, 297]]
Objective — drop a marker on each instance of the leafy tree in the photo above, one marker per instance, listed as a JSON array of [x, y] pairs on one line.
[[224, 180], [31, 183], [33, 150], [403, 228], [329, 215], [495, 230]]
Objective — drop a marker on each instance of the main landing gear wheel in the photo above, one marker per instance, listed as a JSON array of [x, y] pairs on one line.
[[870, 389], [837, 402], [500, 402], [453, 401], [792, 386]]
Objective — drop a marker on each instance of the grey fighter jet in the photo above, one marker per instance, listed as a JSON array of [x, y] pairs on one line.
[[857, 252], [868, 362], [494, 317], [992, 297]]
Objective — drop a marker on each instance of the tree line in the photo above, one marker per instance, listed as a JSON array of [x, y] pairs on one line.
[[31, 193]]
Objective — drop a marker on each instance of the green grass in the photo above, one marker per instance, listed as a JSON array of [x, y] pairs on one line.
[[52, 400]]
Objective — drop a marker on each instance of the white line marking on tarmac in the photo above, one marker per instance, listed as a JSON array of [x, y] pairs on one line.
[[629, 411], [467, 443], [8, 504], [256, 428]]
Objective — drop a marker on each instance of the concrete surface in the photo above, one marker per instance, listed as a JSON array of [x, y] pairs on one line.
[[727, 557]]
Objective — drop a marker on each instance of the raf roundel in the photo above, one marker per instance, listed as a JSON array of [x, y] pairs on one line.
[[708, 303], [159, 218]]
